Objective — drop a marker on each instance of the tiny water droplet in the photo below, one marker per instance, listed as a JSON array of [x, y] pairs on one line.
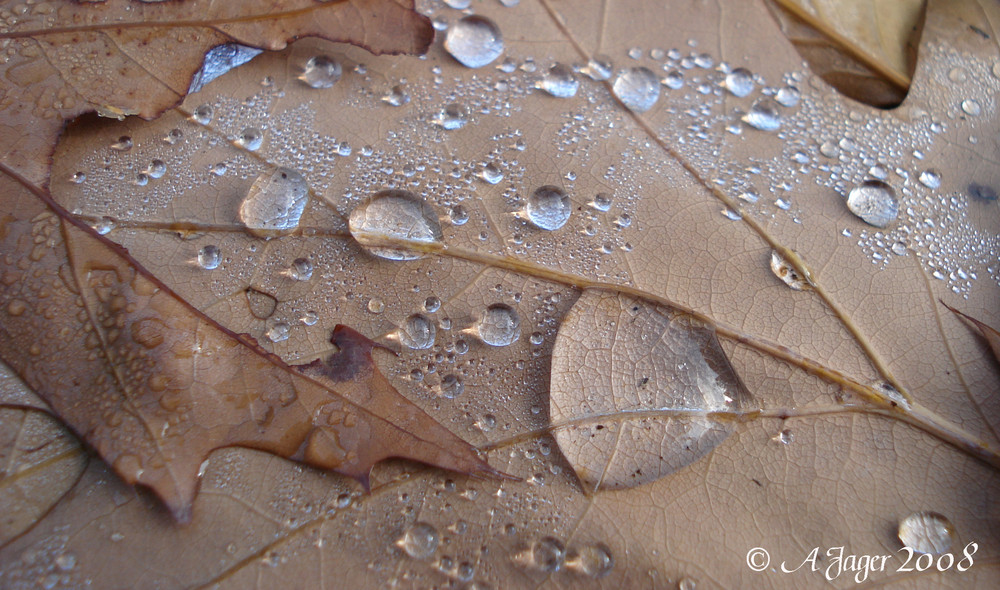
[[309, 318], [926, 532], [491, 173], [218, 169], [452, 116], [104, 225], [673, 80], [417, 332], [78, 178], [275, 202], [396, 96], [899, 248], [536, 338], [595, 560], [623, 220], [874, 202], [452, 386], [787, 273], [500, 325], [376, 305], [547, 554], [598, 68], [637, 88], [739, 82], [301, 269], [763, 115], [731, 215], [278, 332], [397, 216], [971, 107], [474, 41], [601, 202], [209, 257], [560, 82], [432, 304], [321, 71], [123, 144], [203, 114], [548, 208], [419, 540], [65, 562], [930, 178], [156, 169], [173, 136], [784, 437], [250, 138], [458, 215]]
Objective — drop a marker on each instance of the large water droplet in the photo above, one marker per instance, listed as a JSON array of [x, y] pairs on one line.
[[474, 41], [788, 96], [499, 326], [209, 257], [763, 115], [926, 532], [548, 554], [417, 332], [560, 82], [548, 207], [739, 82], [321, 71], [394, 216], [419, 540], [278, 332], [275, 202], [787, 273], [874, 202], [637, 88]]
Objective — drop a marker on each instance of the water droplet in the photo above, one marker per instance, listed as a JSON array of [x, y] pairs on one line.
[[78, 178], [788, 96], [278, 332], [598, 68], [458, 4], [491, 173], [926, 532], [104, 225], [739, 82], [750, 196], [419, 540], [971, 107], [591, 560], [417, 332], [451, 117], [394, 216], [982, 192], [548, 207], [309, 318], [209, 257], [275, 202], [560, 82], [250, 138], [499, 326], [637, 88], [930, 178], [141, 179], [65, 562], [432, 304], [674, 80], [763, 115], [687, 584], [899, 248], [787, 273], [784, 437], [376, 305], [731, 215], [156, 169], [452, 386], [218, 169], [173, 136], [301, 269], [874, 202], [623, 220], [123, 144], [321, 71], [474, 41], [601, 202], [396, 96], [203, 114], [547, 554]]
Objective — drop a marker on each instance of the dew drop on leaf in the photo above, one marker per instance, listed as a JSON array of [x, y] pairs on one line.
[[971, 107], [491, 173], [499, 325], [560, 81], [396, 96], [930, 178], [123, 144], [301, 269], [432, 304], [763, 115], [417, 332], [275, 202], [601, 202], [104, 225], [594, 560], [278, 332], [546, 554], [874, 202], [78, 178], [926, 532], [669, 366], [321, 71], [376, 305], [250, 138], [452, 116], [419, 540], [156, 169], [203, 114], [394, 216], [209, 257], [674, 80], [598, 68], [548, 207], [474, 41], [788, 96], [452, 386], [637, 88], [787, 273], [739, 82]]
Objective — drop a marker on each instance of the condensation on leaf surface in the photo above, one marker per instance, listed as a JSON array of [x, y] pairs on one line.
[[654, 393], [394, 215]]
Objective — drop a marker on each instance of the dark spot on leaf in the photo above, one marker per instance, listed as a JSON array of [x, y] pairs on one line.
[[979, 32], [982, 192], [352, 359]]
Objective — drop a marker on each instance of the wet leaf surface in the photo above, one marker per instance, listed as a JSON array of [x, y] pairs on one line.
[[869, 406]]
